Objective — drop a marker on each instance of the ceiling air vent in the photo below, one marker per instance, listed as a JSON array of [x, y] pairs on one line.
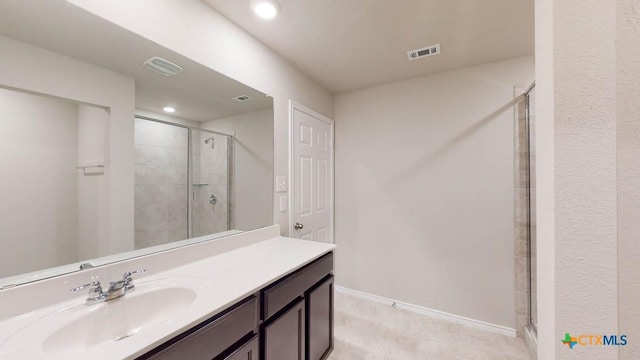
[[163, 66], [241, 98], [424, 52]]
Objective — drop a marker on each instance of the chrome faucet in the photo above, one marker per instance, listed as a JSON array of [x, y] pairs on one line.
[[116, 288]]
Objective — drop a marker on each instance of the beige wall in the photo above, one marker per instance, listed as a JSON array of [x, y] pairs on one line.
[[194, 30], [252, 164], [545, 201], [38, 154], [628, 142], [588, 143], [424, 190]]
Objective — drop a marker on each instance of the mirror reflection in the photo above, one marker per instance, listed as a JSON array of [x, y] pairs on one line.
[[112, 146], [163, 199]]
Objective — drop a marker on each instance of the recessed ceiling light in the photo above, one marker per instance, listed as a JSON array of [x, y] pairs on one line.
[[169, 109], [266, 9]]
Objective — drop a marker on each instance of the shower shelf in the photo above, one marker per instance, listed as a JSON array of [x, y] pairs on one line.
[[91, 169], [199, 184]]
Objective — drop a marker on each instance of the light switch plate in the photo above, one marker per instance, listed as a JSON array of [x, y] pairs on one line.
[[283, 203], [281, 184]]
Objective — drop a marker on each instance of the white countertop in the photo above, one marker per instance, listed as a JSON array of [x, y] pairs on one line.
[[230, 277]]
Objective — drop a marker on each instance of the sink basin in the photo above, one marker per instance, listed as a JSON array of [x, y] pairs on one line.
[[81, 327], [119, 319]]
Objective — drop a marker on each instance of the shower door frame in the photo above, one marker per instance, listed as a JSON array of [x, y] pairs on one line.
[[190, 192], [533, 326]]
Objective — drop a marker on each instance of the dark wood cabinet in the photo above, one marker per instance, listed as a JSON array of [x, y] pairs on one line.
[[291, 319], [285, 290], [319, 311], [284, 336], [248, 351], [213, 337]]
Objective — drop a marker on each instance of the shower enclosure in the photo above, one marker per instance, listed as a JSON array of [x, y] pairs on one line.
[[525, 219], [182, 182]]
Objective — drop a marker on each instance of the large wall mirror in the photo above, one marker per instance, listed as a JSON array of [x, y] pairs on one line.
[[112, 146]]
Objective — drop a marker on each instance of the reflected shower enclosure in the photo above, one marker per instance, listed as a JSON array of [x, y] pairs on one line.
[[182, 182]]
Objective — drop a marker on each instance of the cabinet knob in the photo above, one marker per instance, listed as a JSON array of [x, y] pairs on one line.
[[298, 226]]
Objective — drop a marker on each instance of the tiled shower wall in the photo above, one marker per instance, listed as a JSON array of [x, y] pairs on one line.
[[525, 153], [161, 183], [210, 177]]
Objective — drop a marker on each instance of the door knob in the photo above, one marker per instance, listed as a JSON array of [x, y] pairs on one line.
[[298, 226]]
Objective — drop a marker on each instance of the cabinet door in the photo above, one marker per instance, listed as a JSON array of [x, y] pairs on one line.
[[320, 320], [284, 338], [247, 352]]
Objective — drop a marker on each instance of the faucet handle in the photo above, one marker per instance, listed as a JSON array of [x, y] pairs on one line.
[[128, 274], [128, 281], [94, 284], [96, 294]]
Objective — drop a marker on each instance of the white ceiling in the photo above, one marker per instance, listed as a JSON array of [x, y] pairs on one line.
[[350, 44], [199, 93]]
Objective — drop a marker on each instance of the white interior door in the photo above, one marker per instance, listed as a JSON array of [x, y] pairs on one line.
[[311, 216]]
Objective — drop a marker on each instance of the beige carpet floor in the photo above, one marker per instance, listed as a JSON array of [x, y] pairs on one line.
[[368, 330]]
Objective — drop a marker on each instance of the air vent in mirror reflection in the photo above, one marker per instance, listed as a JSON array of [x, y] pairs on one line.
[[241, 98]]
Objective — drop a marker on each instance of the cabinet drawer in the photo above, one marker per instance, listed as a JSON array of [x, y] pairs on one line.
[[278, 295], [211, 338]]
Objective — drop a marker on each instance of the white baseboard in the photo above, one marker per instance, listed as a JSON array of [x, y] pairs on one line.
[[531, 339], [498, 329]]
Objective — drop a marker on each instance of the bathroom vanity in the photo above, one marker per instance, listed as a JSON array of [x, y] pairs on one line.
[[250, 296], [289, 319]]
